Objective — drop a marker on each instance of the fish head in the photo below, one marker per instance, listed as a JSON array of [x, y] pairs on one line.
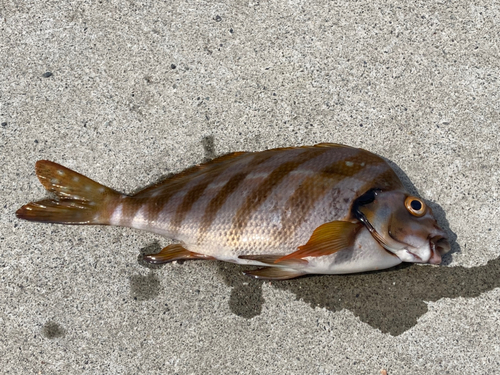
[[404, 225]]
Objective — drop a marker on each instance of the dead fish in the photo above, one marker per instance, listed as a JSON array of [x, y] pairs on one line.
[[323, 209]]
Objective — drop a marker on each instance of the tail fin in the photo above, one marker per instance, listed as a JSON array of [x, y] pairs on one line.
[[79, 200]]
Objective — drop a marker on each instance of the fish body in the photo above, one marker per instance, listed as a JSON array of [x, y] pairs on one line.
[[316, 209]]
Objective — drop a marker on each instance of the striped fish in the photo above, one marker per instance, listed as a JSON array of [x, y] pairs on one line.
[[323, 209]]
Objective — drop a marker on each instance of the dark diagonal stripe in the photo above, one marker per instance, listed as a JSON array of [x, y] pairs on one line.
[[229, 188], [260, 194], [217, 202], [386, 180], [196, 192], [158, 204], [130, 207], [192, 196], [314, 188]]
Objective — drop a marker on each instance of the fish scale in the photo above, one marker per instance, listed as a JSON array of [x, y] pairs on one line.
[[302, 210]]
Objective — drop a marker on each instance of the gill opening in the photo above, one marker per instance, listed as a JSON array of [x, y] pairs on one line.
[[361, 217], [362, 200]]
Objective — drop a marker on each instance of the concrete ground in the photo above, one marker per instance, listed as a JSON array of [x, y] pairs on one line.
[[129, 91]]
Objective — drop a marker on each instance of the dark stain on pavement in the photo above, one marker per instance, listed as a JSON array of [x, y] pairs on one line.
[[153, 248], [209, 148], [143, 288], [52, 330], [246, 296]]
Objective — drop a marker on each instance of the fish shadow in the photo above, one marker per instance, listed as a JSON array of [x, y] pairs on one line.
[[390, 300]]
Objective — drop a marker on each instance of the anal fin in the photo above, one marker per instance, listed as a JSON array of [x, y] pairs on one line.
[[274, 273], [173, 252], [271, 259]]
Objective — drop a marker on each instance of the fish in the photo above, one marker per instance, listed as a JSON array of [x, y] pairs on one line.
[[322, 209]]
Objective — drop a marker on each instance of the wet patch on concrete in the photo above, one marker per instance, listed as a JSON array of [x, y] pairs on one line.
[[143, 288], [209, 148], [246, 296], [390, 300], [152, 248], [52, 330]]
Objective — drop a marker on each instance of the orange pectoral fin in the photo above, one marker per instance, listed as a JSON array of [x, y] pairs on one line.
[[173, 252], [325, 240]]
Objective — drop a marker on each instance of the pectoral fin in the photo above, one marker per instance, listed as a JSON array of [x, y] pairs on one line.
[[325, 240], [274, 273], [173, 252]]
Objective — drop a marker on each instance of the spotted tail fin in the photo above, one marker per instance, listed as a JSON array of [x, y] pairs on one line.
[[79, 200]]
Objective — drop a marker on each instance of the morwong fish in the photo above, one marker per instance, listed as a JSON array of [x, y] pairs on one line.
[[323, 209]]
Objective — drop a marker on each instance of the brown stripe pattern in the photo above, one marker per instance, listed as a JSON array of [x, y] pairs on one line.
[[160, 195], [258, 202], [260, 194], [216, 203], [313, 188], [191, 197]]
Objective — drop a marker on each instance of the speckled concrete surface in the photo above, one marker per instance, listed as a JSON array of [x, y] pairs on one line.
[[129, 91]]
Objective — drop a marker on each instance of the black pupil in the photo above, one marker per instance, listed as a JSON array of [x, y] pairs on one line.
[[416, 205]]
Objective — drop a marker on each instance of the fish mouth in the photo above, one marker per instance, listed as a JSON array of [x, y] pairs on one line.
[[431, 251], [435, 254], [438, 246], [441, 244]]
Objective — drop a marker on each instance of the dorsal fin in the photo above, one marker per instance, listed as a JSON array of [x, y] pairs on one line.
[[177, 181]]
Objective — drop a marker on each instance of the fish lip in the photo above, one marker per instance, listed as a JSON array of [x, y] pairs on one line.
[[435, 254], [441, 243], [419, 260]]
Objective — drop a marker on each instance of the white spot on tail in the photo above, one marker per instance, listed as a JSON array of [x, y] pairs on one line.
[[101, 190], [60, 172], [76, 178], [139, 220], [54, 181], [349, 163], [116, 218]]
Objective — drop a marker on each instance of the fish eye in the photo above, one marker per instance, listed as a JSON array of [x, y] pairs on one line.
[[415, 206]]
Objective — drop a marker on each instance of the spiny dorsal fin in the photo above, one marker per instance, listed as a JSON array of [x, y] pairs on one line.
[[325, 240], [176, 182], [171, 184]]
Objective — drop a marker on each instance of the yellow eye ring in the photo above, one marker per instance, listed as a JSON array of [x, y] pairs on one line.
[[415, 206]]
